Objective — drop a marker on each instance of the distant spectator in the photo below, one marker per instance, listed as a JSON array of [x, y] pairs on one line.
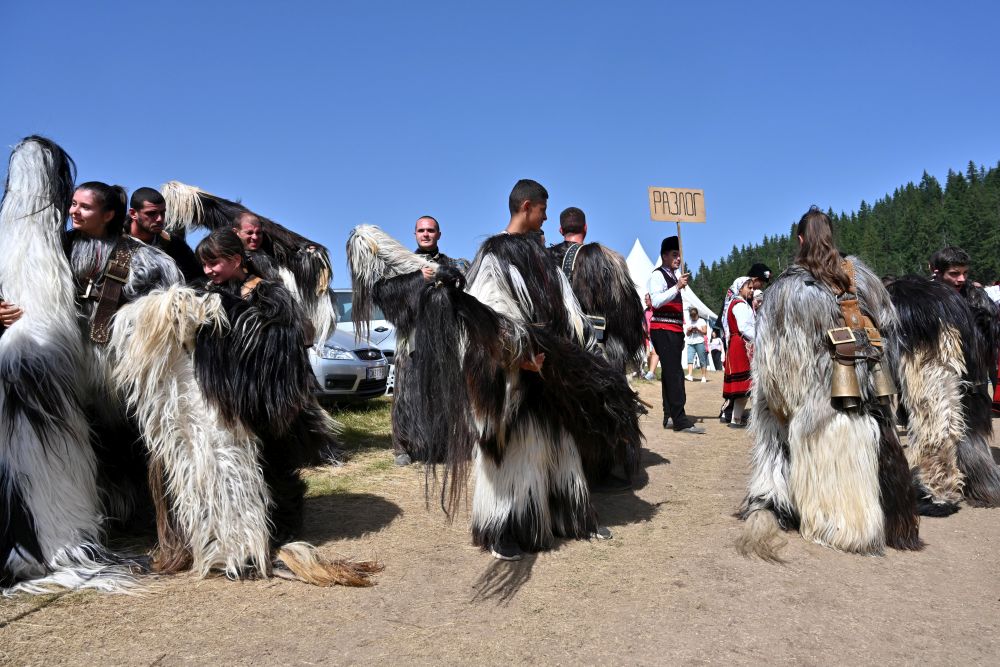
[[696, 331]]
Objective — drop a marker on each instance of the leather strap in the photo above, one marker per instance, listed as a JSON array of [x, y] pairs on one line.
[[114, 279], [249, 285], [569, 260]]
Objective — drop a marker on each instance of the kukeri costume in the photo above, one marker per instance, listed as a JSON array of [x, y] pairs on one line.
[[532, 436], [946, 346], [222, 390], [50, 509], [833, 469], [601, 283]]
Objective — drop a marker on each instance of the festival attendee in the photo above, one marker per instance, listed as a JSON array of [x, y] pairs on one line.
[[826, 457], [651, 358], [146, 215], [716, 348], [696, 331], [50, 506], [761, 276], [740, 322], [944, 359], [601, 283], [276, 252], [513, 359], [666, 329], [427, 232]]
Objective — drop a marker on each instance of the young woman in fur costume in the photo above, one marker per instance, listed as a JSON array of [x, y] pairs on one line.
[[832, 468], [510, 356]]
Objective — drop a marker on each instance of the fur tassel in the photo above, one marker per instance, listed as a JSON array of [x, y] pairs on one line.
[[308, 565], [761, 537]]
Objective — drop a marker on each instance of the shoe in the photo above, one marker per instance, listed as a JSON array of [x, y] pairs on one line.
[[704, 379], [507, 550], [403, 459], [668, 422], [689, 378], [697, 430], [649, 376], [737, 425], [601, 533]]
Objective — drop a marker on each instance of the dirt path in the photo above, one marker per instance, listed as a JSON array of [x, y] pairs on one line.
[[668, 589]]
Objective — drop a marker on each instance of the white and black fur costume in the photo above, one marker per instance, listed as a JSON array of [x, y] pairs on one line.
[[839, 477], [946, 349], [222, 389], [532, 437], [602, 285], [303, 266], [50, 508]]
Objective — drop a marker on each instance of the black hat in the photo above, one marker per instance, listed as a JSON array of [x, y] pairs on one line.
[[668, 244], [760, 271]]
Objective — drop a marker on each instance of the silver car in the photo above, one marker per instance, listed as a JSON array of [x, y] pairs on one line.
[[381, 332], [348, 370]]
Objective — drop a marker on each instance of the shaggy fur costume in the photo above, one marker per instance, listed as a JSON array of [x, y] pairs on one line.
[[945, 352], [838, 476], [50, 512], [302, 265], [222, 390], [602, 284], [532, 436]]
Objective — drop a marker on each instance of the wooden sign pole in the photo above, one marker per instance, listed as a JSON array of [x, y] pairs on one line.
[[680, 246]]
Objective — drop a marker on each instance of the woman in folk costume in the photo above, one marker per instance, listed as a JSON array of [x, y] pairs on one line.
[[50, 509], [739, 325], [826, 458], [512, 358], [227, 409]]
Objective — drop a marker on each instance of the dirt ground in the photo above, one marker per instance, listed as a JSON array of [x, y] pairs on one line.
[[669, 588]]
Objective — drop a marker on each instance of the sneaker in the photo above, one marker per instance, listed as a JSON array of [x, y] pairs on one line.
[[403, 459], [649, 376], [737, 425], [668, 422], [697, 430], [601, 533], [704, 379], [507, 550], [689, 378]]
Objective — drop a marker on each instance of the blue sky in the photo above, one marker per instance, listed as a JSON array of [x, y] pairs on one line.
[[324, 115]]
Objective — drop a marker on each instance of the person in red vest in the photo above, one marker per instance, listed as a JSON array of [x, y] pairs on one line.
[[666, 330]]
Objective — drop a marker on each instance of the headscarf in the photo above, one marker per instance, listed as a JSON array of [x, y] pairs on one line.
[[733, 293]]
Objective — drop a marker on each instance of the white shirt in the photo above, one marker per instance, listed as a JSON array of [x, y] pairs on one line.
[[698, 336], [745, 320], [659, 293]]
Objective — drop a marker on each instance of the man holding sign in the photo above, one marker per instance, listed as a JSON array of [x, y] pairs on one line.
[[666, 331]]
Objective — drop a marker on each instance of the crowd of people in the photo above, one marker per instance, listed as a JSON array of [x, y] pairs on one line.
[[149, 382]]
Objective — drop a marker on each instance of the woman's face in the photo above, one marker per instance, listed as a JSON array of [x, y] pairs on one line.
[[88, 215], [747, 290], [649, 301], [224, 269]]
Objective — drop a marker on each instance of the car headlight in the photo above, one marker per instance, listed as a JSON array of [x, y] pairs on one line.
[[336, 352]]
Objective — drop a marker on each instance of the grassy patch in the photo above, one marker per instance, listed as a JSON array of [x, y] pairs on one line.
[[366, 426]]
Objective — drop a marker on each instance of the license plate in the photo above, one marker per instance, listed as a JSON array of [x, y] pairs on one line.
[[378, 372]]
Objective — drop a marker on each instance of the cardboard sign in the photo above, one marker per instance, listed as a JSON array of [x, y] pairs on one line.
[[676, 204]]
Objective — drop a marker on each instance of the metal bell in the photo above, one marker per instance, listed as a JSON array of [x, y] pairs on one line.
[[885, 388], [844, 389]]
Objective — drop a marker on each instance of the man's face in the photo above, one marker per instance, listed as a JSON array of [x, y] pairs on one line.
[[672, 259], [955, 276], [536, 214], [427, 234], [149, 217], [249, 232]]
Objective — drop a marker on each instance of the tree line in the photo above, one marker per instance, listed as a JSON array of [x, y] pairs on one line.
[[895, 235]]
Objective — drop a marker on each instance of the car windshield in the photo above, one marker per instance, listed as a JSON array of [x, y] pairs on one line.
[[343, 306]]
